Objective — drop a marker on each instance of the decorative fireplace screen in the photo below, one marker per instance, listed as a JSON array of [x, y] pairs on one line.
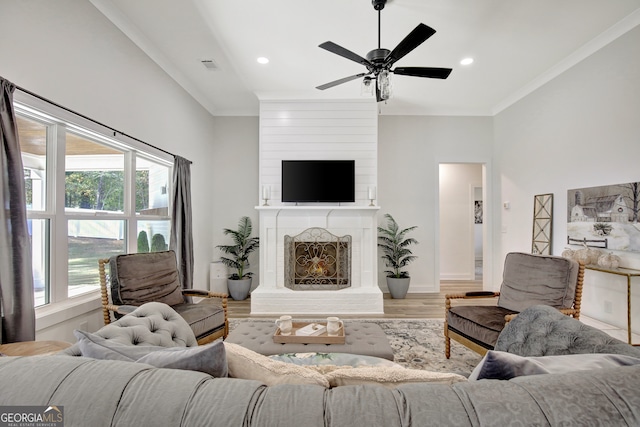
[[317, 260]]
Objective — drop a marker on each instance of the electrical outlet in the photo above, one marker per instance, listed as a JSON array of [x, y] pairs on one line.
[[608, 307]]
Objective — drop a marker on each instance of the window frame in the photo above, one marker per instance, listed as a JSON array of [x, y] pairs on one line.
[[59, 122]]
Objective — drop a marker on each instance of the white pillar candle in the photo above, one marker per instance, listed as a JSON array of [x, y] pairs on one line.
[[266, 192], [372, 193]]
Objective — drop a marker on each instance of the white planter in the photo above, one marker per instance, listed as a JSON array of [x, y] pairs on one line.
[[398, 287], [239, 289]]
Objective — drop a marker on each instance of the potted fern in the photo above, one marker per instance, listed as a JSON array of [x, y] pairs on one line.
[[396, 255], [239, 282]]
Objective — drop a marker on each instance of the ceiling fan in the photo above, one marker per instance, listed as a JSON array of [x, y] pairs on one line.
[[379, 61]]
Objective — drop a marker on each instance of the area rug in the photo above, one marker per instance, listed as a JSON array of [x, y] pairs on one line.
[[416, 344]]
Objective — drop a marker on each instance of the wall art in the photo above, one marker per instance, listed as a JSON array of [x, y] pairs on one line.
[[542, 224], [605, 217]]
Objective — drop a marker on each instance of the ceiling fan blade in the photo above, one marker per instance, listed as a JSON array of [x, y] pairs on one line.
[[345, 53], [415, 38], [340, 81], [434, 73]]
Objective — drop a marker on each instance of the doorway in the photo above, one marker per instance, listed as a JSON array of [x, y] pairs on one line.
[[462, 222]]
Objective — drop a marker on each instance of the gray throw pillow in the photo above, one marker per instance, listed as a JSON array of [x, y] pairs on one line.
[[210, 359], [504, 366]]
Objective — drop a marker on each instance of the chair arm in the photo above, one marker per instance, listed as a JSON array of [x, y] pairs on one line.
[[203, 293], [121, 309], [509, 317], [475, 294], [575, 313], [467, 295]]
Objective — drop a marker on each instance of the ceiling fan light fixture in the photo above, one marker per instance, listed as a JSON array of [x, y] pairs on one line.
[[384, 85], [366, 88]]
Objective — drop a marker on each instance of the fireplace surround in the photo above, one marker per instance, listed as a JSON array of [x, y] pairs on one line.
[[358, 223]]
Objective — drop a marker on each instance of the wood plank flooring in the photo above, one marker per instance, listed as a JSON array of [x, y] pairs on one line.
[[414, 306]]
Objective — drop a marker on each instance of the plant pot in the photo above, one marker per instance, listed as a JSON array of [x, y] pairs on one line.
[[398, 287], [239, 288]]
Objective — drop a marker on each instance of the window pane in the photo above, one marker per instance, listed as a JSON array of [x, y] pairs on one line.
[[39, 235], [33, 145], [94, 179], [89, 241], [153, 236], [152, 188]]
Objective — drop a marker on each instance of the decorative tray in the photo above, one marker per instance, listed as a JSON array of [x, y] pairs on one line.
[[323, 338]]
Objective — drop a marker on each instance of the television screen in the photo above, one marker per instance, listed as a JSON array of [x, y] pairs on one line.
[[318, 181]]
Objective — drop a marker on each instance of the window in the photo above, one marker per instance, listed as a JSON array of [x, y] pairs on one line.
[[89, 196]]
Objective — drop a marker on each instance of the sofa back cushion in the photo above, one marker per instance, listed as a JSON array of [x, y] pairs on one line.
[[145, 277], [537, 279]]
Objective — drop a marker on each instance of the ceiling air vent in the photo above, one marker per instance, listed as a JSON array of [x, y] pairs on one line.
[[209, 64]]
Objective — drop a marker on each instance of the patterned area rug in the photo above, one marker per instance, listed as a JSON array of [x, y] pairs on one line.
[[416, 344]]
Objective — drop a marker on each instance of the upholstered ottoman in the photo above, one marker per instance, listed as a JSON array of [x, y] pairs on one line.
[[360, 338]]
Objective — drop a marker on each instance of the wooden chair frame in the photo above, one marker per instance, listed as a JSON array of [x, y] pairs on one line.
[[452, 335], [108, 307]]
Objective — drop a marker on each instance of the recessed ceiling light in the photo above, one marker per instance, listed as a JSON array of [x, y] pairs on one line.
[[466, 61], [263, 60]]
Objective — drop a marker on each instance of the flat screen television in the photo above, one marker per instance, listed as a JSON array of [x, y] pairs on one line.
[[308, 181]]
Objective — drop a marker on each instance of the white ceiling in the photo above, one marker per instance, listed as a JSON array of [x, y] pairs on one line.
[[517, 46]]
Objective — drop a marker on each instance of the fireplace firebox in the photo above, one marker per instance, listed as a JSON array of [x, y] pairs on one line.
[[317, 260]]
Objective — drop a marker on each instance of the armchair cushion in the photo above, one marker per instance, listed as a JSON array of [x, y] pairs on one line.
[[533, 279], [204, 318], [145, 277], [482, 324]]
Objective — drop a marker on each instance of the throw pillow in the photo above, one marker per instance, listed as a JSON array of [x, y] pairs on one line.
[[504, 366], [210, 359], [389, 377], [247, 364]]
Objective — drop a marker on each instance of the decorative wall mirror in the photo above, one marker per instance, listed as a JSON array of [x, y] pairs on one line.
[[542, 224]]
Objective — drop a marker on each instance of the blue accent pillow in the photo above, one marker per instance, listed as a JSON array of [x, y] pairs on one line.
[[504, 366], [210, 359]]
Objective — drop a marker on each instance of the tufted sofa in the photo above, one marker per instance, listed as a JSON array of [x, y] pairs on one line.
[[117, 393]]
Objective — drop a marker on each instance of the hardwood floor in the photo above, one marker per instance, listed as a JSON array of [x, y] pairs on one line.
[[414, 306]]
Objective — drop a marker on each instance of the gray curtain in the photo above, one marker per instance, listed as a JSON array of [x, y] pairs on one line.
[[16, 277], [181, 222]]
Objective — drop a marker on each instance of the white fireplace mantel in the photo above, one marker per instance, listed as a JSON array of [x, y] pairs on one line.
[[360, 222]]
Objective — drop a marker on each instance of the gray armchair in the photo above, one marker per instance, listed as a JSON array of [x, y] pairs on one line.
[[527, 280], [136, 279]]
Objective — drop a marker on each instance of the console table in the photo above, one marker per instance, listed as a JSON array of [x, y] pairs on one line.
[[628, 273]]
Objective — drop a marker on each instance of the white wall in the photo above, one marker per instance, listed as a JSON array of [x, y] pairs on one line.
[[410, 150], [319, 130], [579, 130], [458, 182], [69, 52], [233, 178]]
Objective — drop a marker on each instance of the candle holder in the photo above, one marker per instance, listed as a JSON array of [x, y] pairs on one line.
[[372, 195], [266, 194]]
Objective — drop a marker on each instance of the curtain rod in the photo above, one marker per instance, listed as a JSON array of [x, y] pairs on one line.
[[115, 131]]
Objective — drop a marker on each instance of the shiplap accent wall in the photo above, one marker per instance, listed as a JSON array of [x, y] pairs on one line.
[[319, 130]]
